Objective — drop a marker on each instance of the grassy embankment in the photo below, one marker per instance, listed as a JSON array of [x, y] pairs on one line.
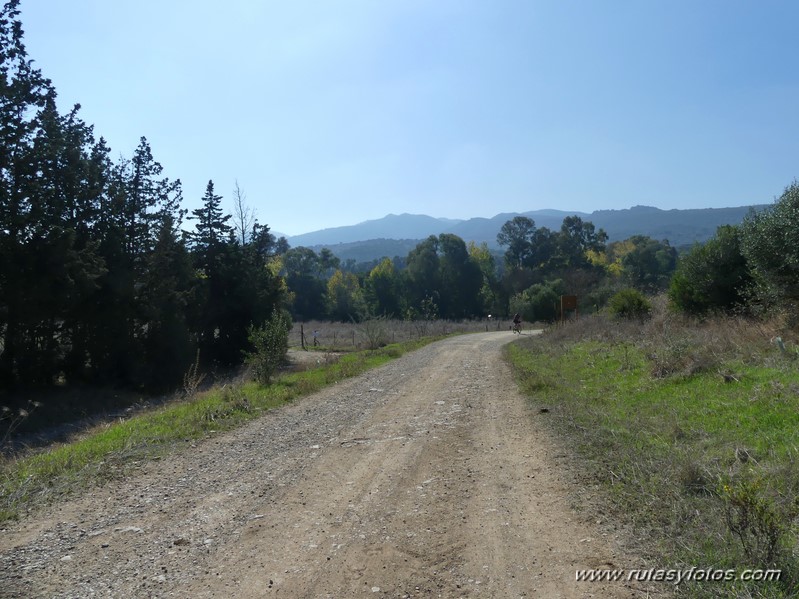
[[110, 450], [692, 430]]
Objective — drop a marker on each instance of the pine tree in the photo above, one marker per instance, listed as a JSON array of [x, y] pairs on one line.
[[167, 297], [211, 231], [23, 93], [212, 255]]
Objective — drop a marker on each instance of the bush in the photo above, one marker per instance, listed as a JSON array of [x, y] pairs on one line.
[[713, 276], [770, 242], [541, 302], [630, 303], [270, 344], [374, 333], [760, 519]]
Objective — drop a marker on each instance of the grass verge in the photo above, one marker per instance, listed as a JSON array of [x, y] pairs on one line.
[[692, 431], [111, 450]]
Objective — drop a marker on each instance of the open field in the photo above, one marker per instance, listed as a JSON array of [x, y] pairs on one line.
[[692, 431], [349, 336]]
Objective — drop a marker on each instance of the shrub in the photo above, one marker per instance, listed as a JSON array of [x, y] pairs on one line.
[[270, 344], [761, 520], [540, 302], [630, 303], [374, 332], [770, 242], [713, 276]]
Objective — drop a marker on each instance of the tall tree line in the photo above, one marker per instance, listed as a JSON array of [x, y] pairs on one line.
[[443, 277], [98, 281]]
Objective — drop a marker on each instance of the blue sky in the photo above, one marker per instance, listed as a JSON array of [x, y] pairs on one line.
[[331, 113]]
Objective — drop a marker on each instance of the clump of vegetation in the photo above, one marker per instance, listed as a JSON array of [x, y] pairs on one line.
[[713, 276], [770, 243], [270, 343], [761, 518], [629, 303], [752, 268], [374, 333], [540, 302]]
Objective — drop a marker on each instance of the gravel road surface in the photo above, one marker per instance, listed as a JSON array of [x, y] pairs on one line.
[[428, 477]]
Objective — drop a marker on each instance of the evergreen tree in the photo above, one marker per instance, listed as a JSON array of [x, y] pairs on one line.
[[136, 206], [96, 282], [211, 232], [167, 298], [209, 244], [23, 94]]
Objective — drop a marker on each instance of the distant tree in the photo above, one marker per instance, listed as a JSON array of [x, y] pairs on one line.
[[544, 250], [423, 274], [649, 264], [461, 279], [281, 245], [345, 297], [440, 270], [261, 242], [306, 284], [576, 239], [382, 289], [243, 216], [517, 234], [328, 262], [489, 290]]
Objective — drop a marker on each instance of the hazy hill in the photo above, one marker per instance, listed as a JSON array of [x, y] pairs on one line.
[[395, 235], [393, 226], [680, 227]]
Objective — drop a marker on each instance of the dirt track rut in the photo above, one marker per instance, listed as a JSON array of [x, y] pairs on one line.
[[428, 477]]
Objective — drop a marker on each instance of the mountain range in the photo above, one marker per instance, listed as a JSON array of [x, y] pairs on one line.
[[397, 234]]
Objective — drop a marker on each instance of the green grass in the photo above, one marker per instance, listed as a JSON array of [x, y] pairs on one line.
[[703, 462], [111, 450]]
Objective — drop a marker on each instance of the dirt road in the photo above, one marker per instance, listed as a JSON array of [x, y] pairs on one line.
[[428, 477]]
